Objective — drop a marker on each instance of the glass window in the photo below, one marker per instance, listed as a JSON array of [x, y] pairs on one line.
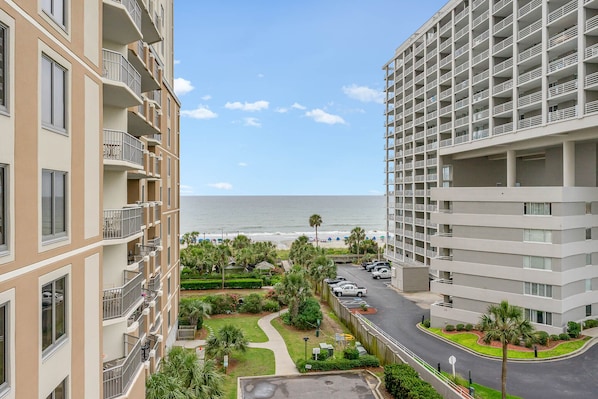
[[59, 392], [3, 206], [534, 235], [168, 137], [537, 208], [538, 316], [588, 234], [588, 259], [588, 310], [55, 9], [3, 347], [538, 289], [53, 204], [537, 262], [588, 284], [169, 286], [168, 225], [3, 66], [54, 316], [168, 255], [169, 191], [588, 208], [53, 95]]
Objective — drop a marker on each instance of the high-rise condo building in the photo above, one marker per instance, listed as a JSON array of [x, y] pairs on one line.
[[89, 204], [492, 158]]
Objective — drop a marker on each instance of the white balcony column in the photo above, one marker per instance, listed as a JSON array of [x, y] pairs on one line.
[[568, 164], [511, 168]]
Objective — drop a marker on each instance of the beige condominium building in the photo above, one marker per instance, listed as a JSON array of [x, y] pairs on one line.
[[492, 157], [89, 205]]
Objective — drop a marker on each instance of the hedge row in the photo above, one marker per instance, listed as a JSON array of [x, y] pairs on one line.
[[215, 284], [403, 382], [339, 364]]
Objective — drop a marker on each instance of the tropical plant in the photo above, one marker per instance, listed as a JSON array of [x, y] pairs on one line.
[[293, 290], [505, 323], [181, 376], [190, 238], [222, 255], [194, 310], [302, 252], [226, 340], [355, 239], [320, 268], [315, 220]]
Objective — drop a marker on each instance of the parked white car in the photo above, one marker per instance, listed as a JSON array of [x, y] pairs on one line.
[[381, 273]]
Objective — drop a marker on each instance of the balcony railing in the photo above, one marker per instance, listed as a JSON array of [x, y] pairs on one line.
[[562, 37], [530, 98], [530, 122], [561, 114], [118, 301], [122, 223], [562, 11], [121, 146], [528, 30], [117, 68], [562, 88], [563, 62], [591, 107], [134, 10], [505, 107], [154, 283], [503, 44], [118, 374], [530, 75], [499, 88], [503, 65], [528, 7], [530, 52]]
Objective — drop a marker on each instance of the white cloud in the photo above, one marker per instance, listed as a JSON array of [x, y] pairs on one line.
[[242, 164], [182, 86], [282, 110], [256, 106], [201, 112], [260, 75], [186, 190], [364, 94], [255, 122], [177, 62], [321, 116], [298, 106], [221, 186], [206, 97]]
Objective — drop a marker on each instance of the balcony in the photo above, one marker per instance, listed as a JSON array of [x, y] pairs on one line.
[[122, 83], [150, 22], [154, 139], [117, 302], [562, 89], [155, 282], [501, 129], [562, 37], [562, 11], [562, 114], [562, 63], [504, 68], [141, 119], [121, 21], [503, 87], [122, 151], [122, 223], [118, 374], [530, 122], [142, 59]]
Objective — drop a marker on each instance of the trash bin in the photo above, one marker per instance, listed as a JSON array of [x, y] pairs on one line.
[[472, 391]]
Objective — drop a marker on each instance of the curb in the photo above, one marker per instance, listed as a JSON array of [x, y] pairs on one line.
[[591, 342]]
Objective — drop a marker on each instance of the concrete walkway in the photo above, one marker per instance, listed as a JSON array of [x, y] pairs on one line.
[[284, 363], [282, 359]]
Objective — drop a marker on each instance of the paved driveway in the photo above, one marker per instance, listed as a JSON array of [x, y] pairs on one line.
[[398, 316]]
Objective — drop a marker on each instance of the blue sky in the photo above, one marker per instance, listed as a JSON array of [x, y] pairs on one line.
[[286, 97]]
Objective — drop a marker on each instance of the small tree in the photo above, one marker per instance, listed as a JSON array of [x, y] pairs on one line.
[[315, 220], [194, 310], [226, 340], [505, 323]]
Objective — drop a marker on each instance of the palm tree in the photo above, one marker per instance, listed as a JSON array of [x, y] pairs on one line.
[[294, 290], [505, 323], [356, 238], [315, 220], [163, 386], [226, 340], [222, 256], [301, 252], [194, 309], [320, 268]]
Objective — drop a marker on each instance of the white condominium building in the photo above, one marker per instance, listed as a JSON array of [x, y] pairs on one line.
[[89, 205], [492, 158]]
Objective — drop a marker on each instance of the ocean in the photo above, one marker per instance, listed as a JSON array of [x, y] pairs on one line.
[[282, 218]]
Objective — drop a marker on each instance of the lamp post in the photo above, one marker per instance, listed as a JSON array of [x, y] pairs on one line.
[[305, 339]]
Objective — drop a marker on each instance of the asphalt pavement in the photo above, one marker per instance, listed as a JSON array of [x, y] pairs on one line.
[[574, 377]]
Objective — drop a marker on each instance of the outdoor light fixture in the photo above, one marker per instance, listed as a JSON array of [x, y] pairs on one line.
[[305, 339]]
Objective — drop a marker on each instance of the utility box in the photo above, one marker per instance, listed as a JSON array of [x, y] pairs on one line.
[[327, 347]]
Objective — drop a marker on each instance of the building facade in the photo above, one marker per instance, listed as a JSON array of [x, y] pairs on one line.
[[89, 205], [491, 158]]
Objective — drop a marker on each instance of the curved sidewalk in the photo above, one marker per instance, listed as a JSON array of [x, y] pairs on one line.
[[282, 359]]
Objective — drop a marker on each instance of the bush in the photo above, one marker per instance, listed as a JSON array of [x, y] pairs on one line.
[[460, 327], [564, 337], [339, 364], [468, 327], [590, 324], [210, 284], [402, 381], [309, 314], [351, 353], [221, 304], [529, 343], [573, 329], [554, 337], [449, 328], [252, 303], [426, 323], [542, 337], [271, 306]]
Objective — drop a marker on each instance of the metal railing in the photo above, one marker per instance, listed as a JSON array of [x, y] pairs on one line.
[[504, 86], [122, 223], [503, 65], [591, 51], [121, 146], [562, 11], [154, 283], [504, 107], [561, 114], [562, 88], [529, 7], [563, 62], [503, 44], [117, 68], [531, 28], [562, 37], [117, 374], [134, 10], [505, 128], [508, 21], [118, 301], [530, 52], [530, 122], [591, 107]]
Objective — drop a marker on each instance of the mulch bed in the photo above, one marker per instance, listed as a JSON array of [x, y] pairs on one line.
[[369, 310], [497, 344]]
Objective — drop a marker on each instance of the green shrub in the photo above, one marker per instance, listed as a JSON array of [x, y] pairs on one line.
[[554, 337], [210, 284], [468, 327], [564, 337], [252, 303], [309, 314], [573, 329], [427, 323], [542, 337], [351, 353], [449, 327], [221, 304], [339, 364], [402, 381], [460, 327], [529, 343], [323, 355], [590, 323], [271, 306]]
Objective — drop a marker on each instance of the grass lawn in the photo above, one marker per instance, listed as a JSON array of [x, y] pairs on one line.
[[481, 391], [246, 322], [469, 340], [255, 361]]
